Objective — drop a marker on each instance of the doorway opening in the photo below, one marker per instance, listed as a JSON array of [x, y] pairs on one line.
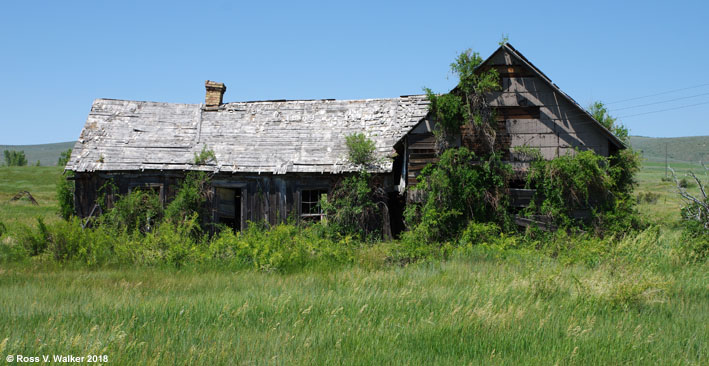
[[229, 207]]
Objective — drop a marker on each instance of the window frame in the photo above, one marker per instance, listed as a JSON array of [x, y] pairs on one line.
[[320, 215]]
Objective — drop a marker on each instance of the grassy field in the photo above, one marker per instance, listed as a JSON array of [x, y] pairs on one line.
[[639, 304], [40, 182]]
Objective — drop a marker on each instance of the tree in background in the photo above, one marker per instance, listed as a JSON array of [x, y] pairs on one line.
[[15, 158], [64, 158], [599, 111]]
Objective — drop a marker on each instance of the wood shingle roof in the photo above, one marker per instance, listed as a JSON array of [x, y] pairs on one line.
[[256, 137]]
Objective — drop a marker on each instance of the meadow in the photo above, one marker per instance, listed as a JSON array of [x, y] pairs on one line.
[[633, 299]]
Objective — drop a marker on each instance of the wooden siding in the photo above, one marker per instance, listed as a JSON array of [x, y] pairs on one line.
[[531, 112], [264, 197]]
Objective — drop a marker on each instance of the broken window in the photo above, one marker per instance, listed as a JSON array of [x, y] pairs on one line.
[[310, 208]]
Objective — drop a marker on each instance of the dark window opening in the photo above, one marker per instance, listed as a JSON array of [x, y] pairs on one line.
[[310, 208], [229, 207], [154, 188]]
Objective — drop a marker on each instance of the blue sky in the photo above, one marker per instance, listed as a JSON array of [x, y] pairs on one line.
[[57, 57]]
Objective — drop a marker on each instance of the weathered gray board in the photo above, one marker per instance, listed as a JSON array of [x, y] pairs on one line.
[[562, 126], [276, 137], [265, 197], [549, 120]]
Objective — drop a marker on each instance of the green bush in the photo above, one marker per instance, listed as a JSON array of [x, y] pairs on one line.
[[65, 196], [138, 210], [66, 240], [478, 233], [35, 242], [283, 247], [189, 200], [353, 207], [448, 110], [586, 181], [360, 149], [458, 189], [204, 156], [648, 197]]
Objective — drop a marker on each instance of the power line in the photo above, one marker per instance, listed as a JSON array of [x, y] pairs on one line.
[[659, 102], [663, 110], [656, 94]]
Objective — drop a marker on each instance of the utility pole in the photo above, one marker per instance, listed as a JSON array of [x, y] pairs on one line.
[[666, 160]]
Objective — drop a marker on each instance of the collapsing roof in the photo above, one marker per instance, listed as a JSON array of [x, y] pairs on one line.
[[255, 137]]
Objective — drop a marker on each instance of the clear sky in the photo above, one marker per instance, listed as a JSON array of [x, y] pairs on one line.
[[57, 57]]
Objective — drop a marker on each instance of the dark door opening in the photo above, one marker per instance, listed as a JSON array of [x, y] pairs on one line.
[[229, 207]]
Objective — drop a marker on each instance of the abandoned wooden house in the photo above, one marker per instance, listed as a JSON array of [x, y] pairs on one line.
[[276, 158]]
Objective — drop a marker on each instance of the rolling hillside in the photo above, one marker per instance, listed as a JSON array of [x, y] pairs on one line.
[[47, 154], [679, 149]]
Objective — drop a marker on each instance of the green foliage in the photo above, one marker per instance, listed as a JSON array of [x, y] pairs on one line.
[[695, 239], [470, 80], [65, 195], [360, 149], [457, 190], [64, 157], [204, 156], [34, 242], [504, 39], [3, 229], [685, 183], [448, 110], [138, 210], [15, 158], [353, 207], [648, 197], [695, 210], [467, 103], [190, 199], [283, 247], [584, 181], [599, 111]]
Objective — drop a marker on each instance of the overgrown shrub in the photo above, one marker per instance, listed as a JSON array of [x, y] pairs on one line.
[[467, 104], [282, 247], [648, 197], [360, 149], [458, 189], [65, 195], [35, 242], [695, 239], [138, 210], [585, 181], [353, 207], [204, 156], [190, 199]]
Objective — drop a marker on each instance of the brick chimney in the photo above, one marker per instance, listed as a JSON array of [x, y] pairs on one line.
[[215, 93]]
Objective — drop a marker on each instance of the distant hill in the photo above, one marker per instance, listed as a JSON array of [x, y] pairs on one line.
[[47, 154], [679, 149]]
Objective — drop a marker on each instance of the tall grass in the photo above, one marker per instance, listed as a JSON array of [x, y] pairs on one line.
[[518, 308], [287, 296]]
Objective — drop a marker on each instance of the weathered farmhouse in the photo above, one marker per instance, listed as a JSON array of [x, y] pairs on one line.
[[276, 158]]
